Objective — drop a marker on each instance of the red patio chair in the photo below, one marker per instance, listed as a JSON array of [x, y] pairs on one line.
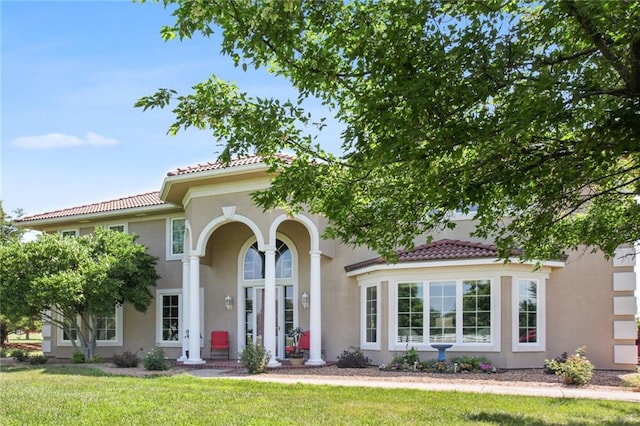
[[304, 344], [219, 342]]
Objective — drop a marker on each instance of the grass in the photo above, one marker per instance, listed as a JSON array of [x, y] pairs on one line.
[[83, 395], [632, 381], [34, 338]]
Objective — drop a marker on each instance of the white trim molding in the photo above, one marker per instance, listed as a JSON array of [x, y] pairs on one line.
[[364, 344], [540, 344]]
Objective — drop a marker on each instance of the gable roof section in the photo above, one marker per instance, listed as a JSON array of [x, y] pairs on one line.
[[178, 183], [209, 166], [437, 250], [148, 199]]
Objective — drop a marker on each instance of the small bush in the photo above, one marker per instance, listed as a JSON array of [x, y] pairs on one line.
[[473, 364], [3, 353], [155, 360], [78, 358], [551, 364], [255, 358], [407, 360], [37, 359], [353, 359], [576, 370], [126, 360], [19, 355]]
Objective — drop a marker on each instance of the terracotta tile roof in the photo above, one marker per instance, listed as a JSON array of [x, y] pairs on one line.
[[132, 202], [437, 250], [242, 161]]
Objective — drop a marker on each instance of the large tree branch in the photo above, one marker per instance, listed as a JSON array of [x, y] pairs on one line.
[[598, 39]]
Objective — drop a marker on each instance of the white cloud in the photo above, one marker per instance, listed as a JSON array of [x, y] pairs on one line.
[[60, 140]]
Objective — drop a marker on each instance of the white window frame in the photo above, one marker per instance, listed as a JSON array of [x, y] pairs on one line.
[[516, 345], [181, 317], [170, 255], [364, 344], [119, 332], [125, 227], [75, 231], [427, 277]]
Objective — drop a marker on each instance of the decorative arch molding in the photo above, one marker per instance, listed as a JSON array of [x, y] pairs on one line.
[[249, 242], [308, 223], [188, 240], [228, 215]]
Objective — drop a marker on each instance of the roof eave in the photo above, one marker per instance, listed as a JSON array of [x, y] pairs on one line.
[[447, 263], [39, 224], [169, 181]]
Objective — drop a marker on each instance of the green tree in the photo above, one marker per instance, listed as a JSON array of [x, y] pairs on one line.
[[527, 110], [8, 229], [72, 282], [10, 232]]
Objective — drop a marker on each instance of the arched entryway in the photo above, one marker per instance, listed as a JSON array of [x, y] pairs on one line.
[[251, 293]]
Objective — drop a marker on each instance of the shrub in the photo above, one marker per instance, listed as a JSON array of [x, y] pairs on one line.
[[255, 358], [551, 364], [3, 353], [353, 359], [37, 359], [78, 358], [19, 355], [473, 364], [576, 370], [155, 360], [126, 359], [407, 360]]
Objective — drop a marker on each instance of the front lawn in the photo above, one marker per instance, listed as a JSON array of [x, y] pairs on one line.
[[85, 395]]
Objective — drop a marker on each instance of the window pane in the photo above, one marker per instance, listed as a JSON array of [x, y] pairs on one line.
[[253, 263], [476, 315], [177, 236], [106, 327], [442, 312], [284, 262], [371, 315], [410, 313], [170, 318], [528, 311]]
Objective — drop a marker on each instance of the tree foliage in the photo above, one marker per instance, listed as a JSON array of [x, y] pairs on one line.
[[527, 110], [9, 232], [71, 281], [8, 229]]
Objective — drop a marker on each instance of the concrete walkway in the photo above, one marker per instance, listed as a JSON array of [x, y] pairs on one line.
[[546, 391]]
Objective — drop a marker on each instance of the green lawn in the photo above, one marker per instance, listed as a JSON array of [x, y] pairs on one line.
[[34, 338], [82, 395]]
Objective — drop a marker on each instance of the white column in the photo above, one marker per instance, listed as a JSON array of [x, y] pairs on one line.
[[184, 321], [315, 311], [269, 338], [194, 311]]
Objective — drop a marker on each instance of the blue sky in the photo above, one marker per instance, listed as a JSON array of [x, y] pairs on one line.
[[70, 74]]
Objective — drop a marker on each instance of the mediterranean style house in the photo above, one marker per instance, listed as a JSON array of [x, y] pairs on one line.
[[226, 264]]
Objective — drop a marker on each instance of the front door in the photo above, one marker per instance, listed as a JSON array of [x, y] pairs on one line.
[[254, 316]]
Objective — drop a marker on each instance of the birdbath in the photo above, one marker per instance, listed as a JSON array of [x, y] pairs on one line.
[[441, 347]]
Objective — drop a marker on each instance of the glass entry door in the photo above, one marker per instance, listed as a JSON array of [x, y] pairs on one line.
[[254, 316]]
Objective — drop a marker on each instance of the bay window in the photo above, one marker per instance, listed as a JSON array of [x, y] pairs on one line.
[[463, 312]]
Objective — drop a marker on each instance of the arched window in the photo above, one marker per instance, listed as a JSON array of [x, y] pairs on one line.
[[254, 262]]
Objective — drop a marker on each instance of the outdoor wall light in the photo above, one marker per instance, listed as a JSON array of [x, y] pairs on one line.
[[228, 302], [305, 300]]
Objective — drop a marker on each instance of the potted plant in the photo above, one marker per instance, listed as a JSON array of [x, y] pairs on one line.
[[296, 356]]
